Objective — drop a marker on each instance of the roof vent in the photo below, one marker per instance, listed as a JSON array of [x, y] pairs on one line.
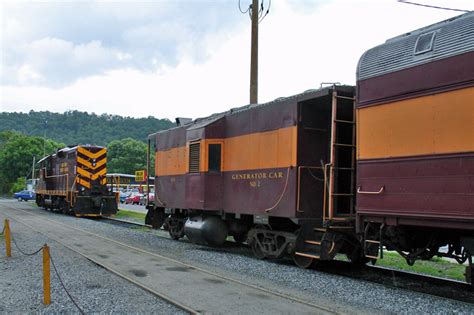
[[194, 157], [181, 121], [424, 43]]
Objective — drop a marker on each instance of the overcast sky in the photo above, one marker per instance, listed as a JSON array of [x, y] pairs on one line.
[[186, 58]]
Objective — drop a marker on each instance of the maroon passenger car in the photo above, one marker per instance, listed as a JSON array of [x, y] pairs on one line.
[[415, 157]]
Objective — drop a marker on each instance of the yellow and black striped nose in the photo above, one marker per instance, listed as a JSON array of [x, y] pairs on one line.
[[91, 165]]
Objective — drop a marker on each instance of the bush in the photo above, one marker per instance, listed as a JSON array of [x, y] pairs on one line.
[[20, 184]]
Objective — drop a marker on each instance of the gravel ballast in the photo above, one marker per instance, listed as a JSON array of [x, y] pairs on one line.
[[93, 288], [237, 262]]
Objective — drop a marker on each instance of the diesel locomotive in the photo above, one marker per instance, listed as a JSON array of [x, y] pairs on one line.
[[388, 164], [73, 180]]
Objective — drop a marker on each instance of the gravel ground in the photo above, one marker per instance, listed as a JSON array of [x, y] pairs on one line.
[[94, 289], [237, 262]]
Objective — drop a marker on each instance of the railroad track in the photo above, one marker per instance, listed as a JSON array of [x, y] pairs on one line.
[[125, 222], [442, 287], [191, 288]]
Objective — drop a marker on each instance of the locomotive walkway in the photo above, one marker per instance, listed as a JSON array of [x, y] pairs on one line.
[[193, 289]]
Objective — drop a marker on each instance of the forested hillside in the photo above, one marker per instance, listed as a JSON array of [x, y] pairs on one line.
[[16, 156], [75, 127]]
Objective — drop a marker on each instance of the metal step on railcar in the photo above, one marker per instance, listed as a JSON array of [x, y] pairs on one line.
[[373, 245], [319, 243]]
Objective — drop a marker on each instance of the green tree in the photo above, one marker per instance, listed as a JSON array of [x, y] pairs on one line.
[[5, 136], [16, 156], [20, 184], [126, 156], [75, 127]]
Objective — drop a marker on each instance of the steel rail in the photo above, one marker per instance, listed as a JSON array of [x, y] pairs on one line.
[[177, 303], [125, 221]]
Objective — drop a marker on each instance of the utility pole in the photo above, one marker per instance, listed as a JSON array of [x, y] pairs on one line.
[[257, 13], [45, 125], [254, 55], [33, 168]]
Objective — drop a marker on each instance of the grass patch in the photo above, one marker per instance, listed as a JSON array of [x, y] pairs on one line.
[[435, 267], [124, 214]]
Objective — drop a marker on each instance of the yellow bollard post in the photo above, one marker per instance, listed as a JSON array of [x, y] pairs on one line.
[[8, 244], [46, 276]]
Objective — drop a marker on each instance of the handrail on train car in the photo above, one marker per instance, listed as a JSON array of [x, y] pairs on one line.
[[325, 188], [359, 191], [282, 193]]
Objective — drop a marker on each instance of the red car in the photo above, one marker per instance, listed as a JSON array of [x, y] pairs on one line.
[[134, 200]]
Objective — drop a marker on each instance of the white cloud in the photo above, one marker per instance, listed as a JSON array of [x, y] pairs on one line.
[[56, 62], [297, 52], [142, 31], [27, 75]]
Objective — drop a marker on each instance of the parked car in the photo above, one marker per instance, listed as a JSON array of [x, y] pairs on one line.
[[24, 195], [133, 199], [124, 195], [151, 198]]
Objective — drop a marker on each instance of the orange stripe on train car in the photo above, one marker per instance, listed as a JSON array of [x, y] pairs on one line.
[[90, 154], [270, 149], [435, 124], [89, 175], [83, 183], [89, 164]]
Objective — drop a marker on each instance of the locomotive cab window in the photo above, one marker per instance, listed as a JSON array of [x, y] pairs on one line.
[[424, 43], [49, 168], [214, 161]]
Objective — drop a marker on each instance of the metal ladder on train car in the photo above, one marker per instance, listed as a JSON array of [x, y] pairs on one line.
[[316, 244], [335, 168]]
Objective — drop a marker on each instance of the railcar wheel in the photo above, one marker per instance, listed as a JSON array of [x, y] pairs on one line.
[[256, 241], [175, 227], [302, 261], [156, 218], [257, 251], [175, 235], [358, 258]]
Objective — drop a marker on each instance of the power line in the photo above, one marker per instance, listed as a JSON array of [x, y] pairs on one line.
[[268, 10], [261, 10], [242, 11], [432, 6]]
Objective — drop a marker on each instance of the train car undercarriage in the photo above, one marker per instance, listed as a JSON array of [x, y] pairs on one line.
[[81, 206], [271, 238], [415, 243]]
